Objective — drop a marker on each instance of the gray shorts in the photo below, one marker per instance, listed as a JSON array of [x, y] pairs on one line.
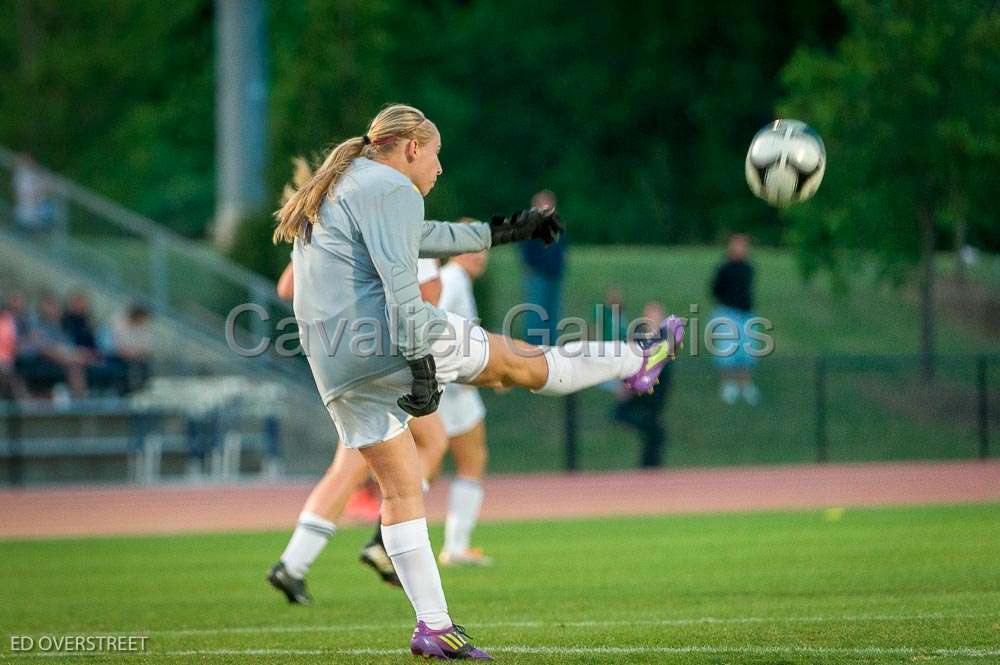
[[368, 414]]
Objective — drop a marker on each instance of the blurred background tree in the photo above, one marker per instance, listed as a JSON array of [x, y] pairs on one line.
[[638, 117], [118, 95], [907, 104]]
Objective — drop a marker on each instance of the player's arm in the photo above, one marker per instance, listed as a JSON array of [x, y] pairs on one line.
[[531, 224], [440, 240], [393, 241], [443, 239], [286, 283], [717, 284], [431, 291], [429, 278]]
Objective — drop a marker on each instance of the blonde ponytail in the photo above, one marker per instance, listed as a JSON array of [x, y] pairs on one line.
[[306, 193], [302, 198]]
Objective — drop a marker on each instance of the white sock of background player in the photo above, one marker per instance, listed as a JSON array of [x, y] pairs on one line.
[[465, 496], [311, 535], [578, 365], [409, 547], [309, 538]]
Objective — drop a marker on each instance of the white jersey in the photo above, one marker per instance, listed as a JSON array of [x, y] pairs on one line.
[[461, 408], [428, 270], [456, 292]]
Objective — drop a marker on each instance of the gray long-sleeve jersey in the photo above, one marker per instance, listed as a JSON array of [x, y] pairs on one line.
[[357, 299]]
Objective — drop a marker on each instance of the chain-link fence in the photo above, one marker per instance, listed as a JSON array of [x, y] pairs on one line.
[[836, 409]]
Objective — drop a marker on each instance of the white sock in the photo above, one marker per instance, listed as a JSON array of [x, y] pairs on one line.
[[409, 547], [729, 392], [464, 499], [308, 540], [580, 365]]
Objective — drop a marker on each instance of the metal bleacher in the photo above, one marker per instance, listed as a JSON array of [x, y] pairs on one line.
[[208, 409]]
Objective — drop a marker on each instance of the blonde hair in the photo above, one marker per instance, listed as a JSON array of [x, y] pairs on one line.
[[303, 197]]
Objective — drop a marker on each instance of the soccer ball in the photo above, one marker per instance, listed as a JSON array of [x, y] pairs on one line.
[[785, 163]]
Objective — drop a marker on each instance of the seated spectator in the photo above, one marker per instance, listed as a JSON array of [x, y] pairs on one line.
[[47, 355], [105, 371], [132, 342], [10, 383], [76, 323], [18, 308]]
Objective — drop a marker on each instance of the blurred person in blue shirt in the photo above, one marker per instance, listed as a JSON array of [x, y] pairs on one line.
[[543, 272], [732, 288]]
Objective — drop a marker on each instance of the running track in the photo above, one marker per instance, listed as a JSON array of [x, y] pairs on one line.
[[177, 509]]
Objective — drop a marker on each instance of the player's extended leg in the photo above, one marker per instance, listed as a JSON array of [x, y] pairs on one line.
[[465, 497], [568, 368], [404, 531], [432, 443], [316, 523]]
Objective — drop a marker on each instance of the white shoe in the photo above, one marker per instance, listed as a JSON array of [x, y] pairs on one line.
[[470, 557], [751, 394], [729, 392]]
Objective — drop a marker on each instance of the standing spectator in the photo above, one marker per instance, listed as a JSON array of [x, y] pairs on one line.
[[543, 271], [732, 288], [613, 324], [645, 412], [33, 207], [132, 340]]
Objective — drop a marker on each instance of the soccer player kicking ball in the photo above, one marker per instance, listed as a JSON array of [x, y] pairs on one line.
[[357, 228], [326, 502], [431, 438]]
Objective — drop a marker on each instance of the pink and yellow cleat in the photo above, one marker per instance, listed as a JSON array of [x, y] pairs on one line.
[[657, 352]]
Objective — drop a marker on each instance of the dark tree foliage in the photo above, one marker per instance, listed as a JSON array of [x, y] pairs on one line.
[[637, 115], [910, 105], [119, 95]]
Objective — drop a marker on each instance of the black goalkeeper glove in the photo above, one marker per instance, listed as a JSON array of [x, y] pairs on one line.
[[424, 393], [530, 224]]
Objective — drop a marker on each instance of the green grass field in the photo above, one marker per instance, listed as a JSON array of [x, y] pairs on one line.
[[897, 585]]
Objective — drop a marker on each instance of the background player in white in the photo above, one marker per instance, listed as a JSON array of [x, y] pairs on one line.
[[463, 414], [378, 351]]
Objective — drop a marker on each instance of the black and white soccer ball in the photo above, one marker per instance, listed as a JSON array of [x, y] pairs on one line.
[[785, 163]]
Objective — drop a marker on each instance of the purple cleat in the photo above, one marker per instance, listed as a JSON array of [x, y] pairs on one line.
[[444, 644], [657, 352]]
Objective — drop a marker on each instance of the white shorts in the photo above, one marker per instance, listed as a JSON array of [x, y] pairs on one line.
[[368, 414], [461, 409]]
